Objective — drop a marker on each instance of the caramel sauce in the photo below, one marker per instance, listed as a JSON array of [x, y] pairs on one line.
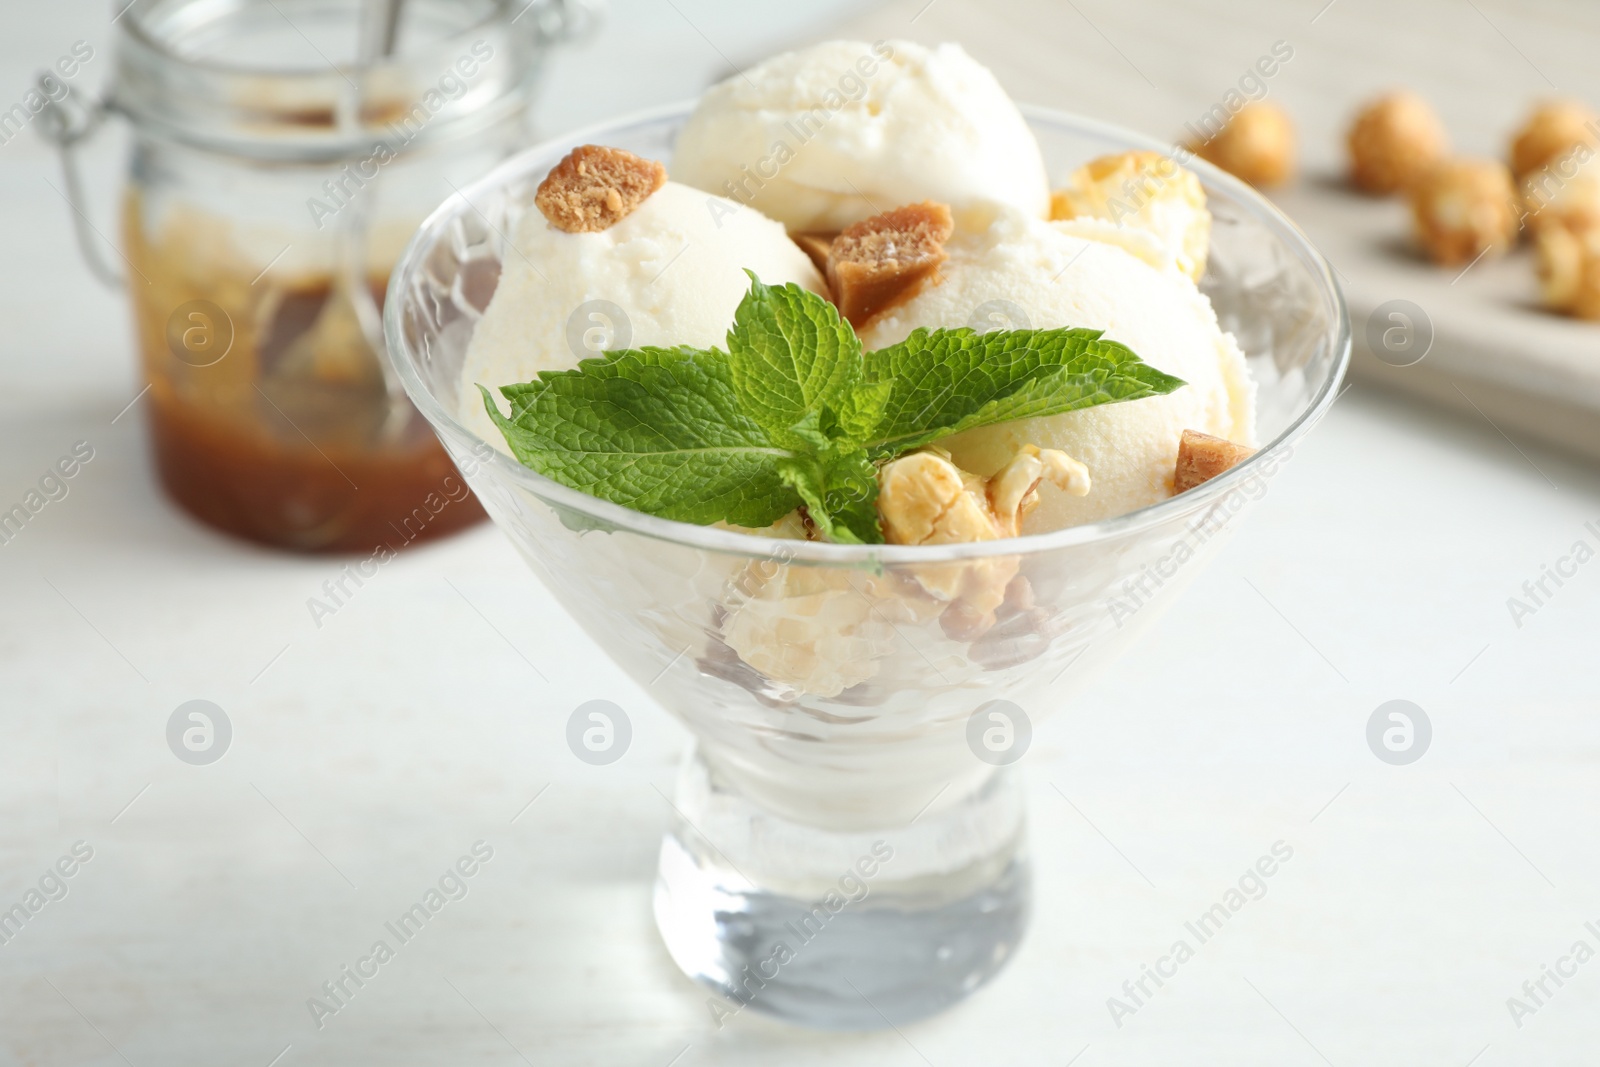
[[268, 414], [373, 113]]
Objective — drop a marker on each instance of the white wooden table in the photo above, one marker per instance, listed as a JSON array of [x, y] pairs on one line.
[[370, 754]]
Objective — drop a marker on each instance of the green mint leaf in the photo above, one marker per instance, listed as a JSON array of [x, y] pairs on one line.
[[840, 490], [942, 382], [521, 395], [792, 356], [793, 413], [851, 499], [863, 410], [657, 430]]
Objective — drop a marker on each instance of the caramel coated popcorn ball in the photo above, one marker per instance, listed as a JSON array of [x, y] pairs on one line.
[[1257, 145], [1565, 192], [1145, 190], [1464, 206], [1394, 141], [1569, 269], [1554, 130]]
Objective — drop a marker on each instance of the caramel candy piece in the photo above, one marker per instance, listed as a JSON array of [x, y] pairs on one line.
[[815, 245], [595, 187], [1202, 457], [882, 261]]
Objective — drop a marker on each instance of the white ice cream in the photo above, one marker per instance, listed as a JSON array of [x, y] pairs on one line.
[[674, 268], [1019, 264], [838, 132]]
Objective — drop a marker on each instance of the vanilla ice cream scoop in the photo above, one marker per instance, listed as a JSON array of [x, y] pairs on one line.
[[670, 273], [832, 134], [1030, 273]]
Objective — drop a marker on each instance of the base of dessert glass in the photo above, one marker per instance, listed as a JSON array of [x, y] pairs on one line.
[[841, 929]]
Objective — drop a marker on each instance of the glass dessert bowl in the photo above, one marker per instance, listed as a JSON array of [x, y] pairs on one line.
[[848, 849]]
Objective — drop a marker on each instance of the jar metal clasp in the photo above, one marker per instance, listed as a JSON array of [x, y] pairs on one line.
[[67, 123]]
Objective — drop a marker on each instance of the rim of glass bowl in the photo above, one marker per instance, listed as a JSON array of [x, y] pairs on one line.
[[615, 516]]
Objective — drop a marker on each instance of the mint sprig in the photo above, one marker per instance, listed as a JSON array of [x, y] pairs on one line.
[[794, 413]]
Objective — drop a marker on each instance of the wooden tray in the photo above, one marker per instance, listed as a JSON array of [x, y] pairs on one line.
[[1494, 350]]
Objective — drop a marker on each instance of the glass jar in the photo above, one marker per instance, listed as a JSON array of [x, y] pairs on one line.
[[281, 160]]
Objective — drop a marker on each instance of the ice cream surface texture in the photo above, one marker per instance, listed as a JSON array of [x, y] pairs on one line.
[[1016, 266], [673, 268], [835, 133]]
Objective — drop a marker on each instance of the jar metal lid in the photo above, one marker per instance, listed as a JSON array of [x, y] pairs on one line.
[[280, 81]]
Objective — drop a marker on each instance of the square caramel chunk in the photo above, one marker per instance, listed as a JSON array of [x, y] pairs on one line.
[[595, 187], [1202, 457], [817, 246], [880, 262]]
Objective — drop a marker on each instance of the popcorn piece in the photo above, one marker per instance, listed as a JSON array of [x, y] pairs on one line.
[[1565, 192], [806, 627], [1569, 267], [815, 630], [1462, 207], [882, 261], [1202, 457], [924, 499], [819, 630], [815, 245], [1393, 142], [1256, 145], [1014, 489], [1146, 190], [594, 188], [1555, 128], [1022, 630]]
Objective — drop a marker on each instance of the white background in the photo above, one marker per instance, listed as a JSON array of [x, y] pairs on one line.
[[370, 753]]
